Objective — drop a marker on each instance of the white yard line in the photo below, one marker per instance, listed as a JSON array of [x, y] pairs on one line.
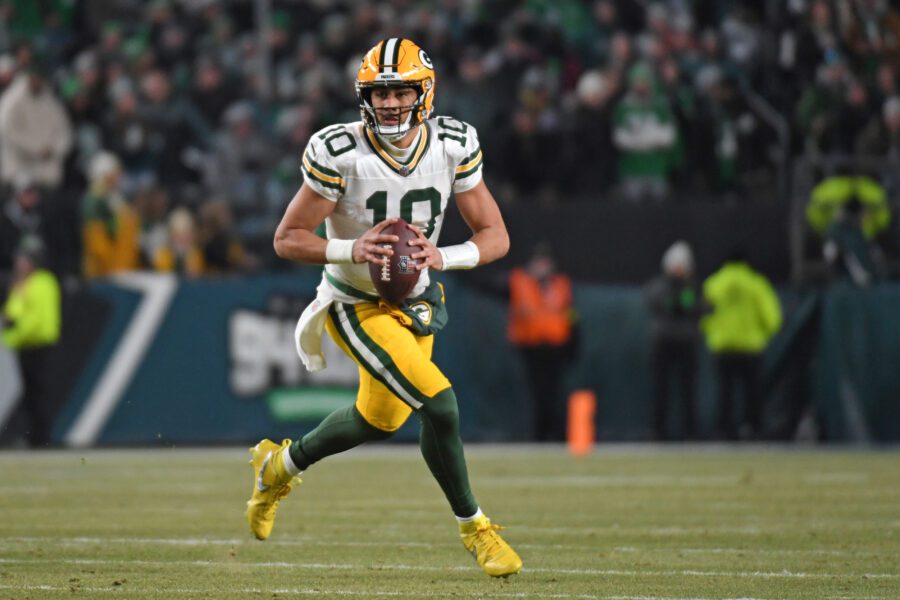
[[126, 588], [12, 542], [402, 567]]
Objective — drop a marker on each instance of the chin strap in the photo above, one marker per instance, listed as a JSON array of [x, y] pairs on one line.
[[393, 137]]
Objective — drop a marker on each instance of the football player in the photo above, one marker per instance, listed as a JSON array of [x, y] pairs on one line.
[[398, 161]]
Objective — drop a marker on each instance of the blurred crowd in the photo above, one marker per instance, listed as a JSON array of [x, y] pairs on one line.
[[165, 135]]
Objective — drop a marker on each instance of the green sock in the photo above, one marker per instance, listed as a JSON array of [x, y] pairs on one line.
[[343, 429], [443, 451]]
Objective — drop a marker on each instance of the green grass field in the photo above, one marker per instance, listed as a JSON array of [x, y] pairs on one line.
[[635, 523]]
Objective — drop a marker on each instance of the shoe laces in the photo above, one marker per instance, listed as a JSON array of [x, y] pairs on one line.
[[487, 534], [281, 491]]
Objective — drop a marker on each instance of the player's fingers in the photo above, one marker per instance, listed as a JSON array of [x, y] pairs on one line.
[[376, 258], [384, 238], [425, 264], [380, 226], [382, 249]]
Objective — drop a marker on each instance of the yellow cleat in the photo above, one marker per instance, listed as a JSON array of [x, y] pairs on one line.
[[492, 554], [271, 483]]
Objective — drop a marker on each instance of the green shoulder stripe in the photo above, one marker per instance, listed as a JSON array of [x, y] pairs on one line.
[[471, 171], [325, 170], [471, 156], [321, 182]]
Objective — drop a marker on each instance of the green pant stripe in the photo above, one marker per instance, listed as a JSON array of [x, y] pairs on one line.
[[341, 331], [384, 358], [372, 357]]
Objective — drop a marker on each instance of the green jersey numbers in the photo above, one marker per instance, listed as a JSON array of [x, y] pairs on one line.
[[368, 182], [378, 201], [451, 129], [337, 140]]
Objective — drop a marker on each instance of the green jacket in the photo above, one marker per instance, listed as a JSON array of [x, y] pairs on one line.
[[33, 307], [832, 193], [645, 133], [746, 313]]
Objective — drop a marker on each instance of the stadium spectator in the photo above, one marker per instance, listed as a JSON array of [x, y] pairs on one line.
[[238, 170], [872, 31], [834, 62], [35, 133], [7, 71], [681, 98], [531, 157], [645, 132], [473, 93], [881, 137], [833, 192], [745, 316], [589, 161], [177, 132], [886, 84], [21, 218], [849, 254], [127, 135], [212, 92], [223, 251], [675, 305], [181, 253], [31, 327], [819, 105], [595, 44], [541, 327], [110, 227], [151, 206]]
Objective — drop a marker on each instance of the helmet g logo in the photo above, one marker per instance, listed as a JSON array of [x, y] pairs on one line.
[[423, 57]]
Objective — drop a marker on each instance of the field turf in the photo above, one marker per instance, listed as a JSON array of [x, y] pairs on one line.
[[628, 522]]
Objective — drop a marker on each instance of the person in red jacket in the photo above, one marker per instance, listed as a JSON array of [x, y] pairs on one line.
[[540, 325]]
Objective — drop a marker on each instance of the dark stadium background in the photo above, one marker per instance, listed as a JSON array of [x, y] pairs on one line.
[[208, 106]]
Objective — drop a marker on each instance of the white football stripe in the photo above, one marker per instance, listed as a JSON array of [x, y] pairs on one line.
[[13, 542], [371, 359], [401, 567]]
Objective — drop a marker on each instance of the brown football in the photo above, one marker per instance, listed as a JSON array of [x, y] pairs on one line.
[[395, 279]]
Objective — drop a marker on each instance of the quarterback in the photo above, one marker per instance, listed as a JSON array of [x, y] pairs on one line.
[[359, 178]]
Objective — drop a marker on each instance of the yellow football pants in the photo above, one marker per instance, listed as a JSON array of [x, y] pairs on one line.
[[396, 374]]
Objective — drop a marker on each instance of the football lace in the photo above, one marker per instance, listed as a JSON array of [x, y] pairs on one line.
[[386, 267]]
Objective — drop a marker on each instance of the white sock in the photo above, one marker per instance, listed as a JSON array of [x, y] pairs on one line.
[[289, 465], [478, 514]]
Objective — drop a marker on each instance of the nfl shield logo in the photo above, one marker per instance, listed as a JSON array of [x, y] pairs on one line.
[[403, 264], [404, 170]]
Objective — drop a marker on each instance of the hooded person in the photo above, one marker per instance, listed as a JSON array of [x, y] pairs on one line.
[[675, 305]]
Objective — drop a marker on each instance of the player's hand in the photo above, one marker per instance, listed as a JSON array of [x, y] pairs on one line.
[[368, 246], [428, 256]]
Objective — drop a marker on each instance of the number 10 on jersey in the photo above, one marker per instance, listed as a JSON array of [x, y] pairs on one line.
[[377, 203]]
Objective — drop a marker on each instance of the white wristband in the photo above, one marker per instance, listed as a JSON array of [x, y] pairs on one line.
[[339, 251], [460, 256]]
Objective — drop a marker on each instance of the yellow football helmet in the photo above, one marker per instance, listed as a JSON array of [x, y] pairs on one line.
[[396, 62]]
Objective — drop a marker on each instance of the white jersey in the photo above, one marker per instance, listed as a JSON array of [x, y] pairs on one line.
[[348, 165]]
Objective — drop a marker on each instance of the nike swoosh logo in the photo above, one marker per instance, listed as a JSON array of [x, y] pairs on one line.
[[259, 480]]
